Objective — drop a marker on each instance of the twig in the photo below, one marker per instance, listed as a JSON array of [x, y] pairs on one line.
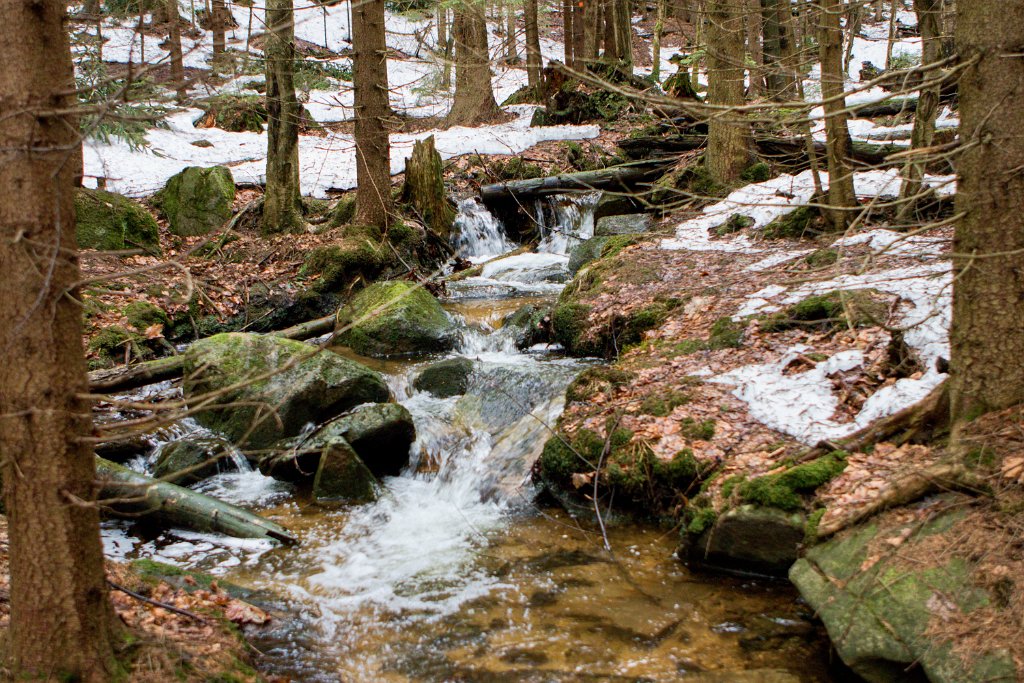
[[157, 603]]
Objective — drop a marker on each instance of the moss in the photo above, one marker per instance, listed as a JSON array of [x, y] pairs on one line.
[[659, 406], [817, 358], [811, 526], [730, 484], [562, 457], [688, 346], [338, 265], [569, 322], [757, 173], [344, 211], [197, 200], [110, 222], [822, 258], [235, 113], [702, 184], [804, 221], [726, 334], [700, 520], [616, 243], [395, 318], [516, 169], [983, 457], [697, 430], [110, 343], [142, 314], [594, 381], [835, 310], [782, 490], [735, 223]]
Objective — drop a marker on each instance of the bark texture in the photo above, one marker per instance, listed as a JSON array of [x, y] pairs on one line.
[[282, 206], [929, 18], [424, 188], [728, 132], [533, 54], [841, 197], [988, 292], [174, 47], [474, 96], [61, 622], [374, 205]]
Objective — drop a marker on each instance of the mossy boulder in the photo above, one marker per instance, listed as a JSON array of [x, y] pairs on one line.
[[395, 319], [142, 314], [234, 113], [804, 221], [627, 224], [111, 222], [380, 433], [879, 608], [445, 379], [360, 253], [835, 310], [197, 200], [308, 386], [746, 539], [190, 460], [342, 476], [586, 252], [530, 325]]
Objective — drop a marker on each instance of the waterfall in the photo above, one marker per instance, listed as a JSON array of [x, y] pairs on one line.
[[478, 234], [565, 220]]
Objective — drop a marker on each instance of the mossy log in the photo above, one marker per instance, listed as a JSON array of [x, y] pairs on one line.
[[131, 494], [623, 178], [125, 377]]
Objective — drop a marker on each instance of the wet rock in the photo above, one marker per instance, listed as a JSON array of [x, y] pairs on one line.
[[626, 224], [380, 433], [587, 251], [878, 608], [260, 413], [748, 539], [500, 394], [341, 476], [448, 378], [191, 460], [530, 325], [394, 319], [197, 200], [110, 222]]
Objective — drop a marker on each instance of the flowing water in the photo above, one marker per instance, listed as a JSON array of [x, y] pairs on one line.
[[456, 573]]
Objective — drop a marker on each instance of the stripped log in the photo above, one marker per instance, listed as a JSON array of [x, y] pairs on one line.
[[130, 494]]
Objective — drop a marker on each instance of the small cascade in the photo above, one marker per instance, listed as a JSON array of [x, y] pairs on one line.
[[565, 220], [478, 234]]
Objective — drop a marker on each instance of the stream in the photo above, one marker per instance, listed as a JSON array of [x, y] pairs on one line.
[[456, 573]]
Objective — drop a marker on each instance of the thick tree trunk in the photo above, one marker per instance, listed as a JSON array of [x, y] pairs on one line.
[[659, 28], [282, 206], [988, 290], [591, 31], [374, 205], [728, 132], [533, 54], [220, 22], [778, 49], [579, 61], [568, 57], [929, 15], [424, 188], [174, 40], [474, 96], [841, 197], [61, 622]]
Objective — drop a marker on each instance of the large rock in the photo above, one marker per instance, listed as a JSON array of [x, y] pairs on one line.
[[626, 224], [110, 222], [197, 200], [394, 319], [447, 378], [529, 325], [315, 387], [748, 539], [880, 606], [190, 460], [586, 252], [381, 434], [342, 476]]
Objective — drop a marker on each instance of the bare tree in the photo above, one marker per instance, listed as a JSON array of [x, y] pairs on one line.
[[841, 197], [988, 294], [533, 54], [61, 621], [474, 96], [174, 47], [374, 204], [282, 203], [728, 134], [929, 16]]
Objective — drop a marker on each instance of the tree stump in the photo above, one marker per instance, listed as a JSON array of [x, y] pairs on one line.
[[424, 188]]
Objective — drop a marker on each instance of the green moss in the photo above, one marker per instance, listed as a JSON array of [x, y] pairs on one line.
[[235, 113], [730, 484], [516, 169], [338, 265], [660, 406], [197, 200], [142, 314], [702, 184], [804, 221], [688, 346], [835, 310], [110, 222], [562, 457], [569, 322], [110, 343], [344, 211], [757, 173], [395, 318], [822, 258], [782, 490], [700, 520], [597, 380], [726, 334], [983, 457], [616, 243], [811, 526], [697, 430], [735, 223]]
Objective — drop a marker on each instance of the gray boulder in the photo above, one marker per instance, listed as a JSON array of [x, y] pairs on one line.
[[395, 319], [748, 539], [110, 222], [190, 460], [197, 200], [626, 224], [447, 378], [315, 387]]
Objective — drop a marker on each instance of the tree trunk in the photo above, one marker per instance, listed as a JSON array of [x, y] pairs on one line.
[[424, 188], [591, 31], [609, 36], [444, 43], [174, 40], [61, 622], [533, 54], [659, 28], [511, 53], [579, 62], [728, 132], [755, 52], [778, 49], [841, 197], [282, 206], [624, 36], [929, 15], [988, 294], [220, 21], [374, 205], [474, 96], [567, 34]]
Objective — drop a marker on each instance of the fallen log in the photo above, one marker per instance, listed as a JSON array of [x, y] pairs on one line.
[[126, 377], [622, 178], [130, 494]]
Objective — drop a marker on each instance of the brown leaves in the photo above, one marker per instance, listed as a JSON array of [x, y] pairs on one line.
[[1013, 469]]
